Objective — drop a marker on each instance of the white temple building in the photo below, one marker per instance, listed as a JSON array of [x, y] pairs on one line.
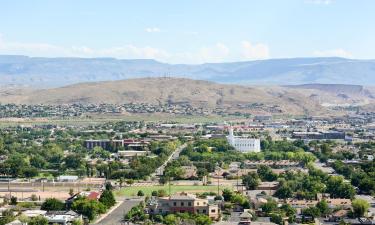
[[243, 144]]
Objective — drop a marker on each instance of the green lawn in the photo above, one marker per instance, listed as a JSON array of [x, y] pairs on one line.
[[132, 191]]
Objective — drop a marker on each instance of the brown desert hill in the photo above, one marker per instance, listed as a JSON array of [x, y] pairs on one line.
[[197, 93]]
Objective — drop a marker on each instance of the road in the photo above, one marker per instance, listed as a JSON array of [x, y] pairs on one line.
[[159, 171], [116, 216]]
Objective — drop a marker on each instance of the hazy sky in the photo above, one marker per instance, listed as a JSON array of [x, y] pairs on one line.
[[188, 31]]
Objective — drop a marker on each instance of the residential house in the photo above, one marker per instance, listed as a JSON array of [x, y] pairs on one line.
[[183, 202], [62, 217]]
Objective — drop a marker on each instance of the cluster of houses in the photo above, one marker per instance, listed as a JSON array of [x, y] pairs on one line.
[[76, 110], [64, 217], [53, 217], [191, 203]]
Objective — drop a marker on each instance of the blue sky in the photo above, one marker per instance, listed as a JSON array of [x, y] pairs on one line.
[[188, 31]]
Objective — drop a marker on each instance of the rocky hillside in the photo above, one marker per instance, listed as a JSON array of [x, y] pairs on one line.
[[253, 99]]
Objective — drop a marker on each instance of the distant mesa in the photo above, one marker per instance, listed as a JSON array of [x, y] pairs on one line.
[[23, 71]]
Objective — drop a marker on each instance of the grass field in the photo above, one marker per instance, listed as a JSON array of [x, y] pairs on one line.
[[132, 191]]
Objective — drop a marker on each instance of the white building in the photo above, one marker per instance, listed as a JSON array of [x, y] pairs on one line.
[[67, 178], [243, 144]]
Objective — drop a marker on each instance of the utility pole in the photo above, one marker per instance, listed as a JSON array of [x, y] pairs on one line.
[[237, 179], [10, 193], [218, 189], [169, 186]]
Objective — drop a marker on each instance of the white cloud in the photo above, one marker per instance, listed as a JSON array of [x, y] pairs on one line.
[[132, 51], [219, 52], [152, 30], [333, 53], [319, 2], [42, 49], [254, 51], [216, 53], [48, 50]]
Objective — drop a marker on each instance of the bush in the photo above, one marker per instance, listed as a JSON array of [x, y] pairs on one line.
[[38, 220], [26, 204], [13, 200], [162, 193], [218, 198], [360, 207], [34, 197], [140, 193], [135, 214]]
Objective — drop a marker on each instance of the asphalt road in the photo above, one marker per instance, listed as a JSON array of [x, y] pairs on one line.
[[117, 215], [159, 171]]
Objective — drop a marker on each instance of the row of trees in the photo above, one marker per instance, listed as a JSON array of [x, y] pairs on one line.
[[300, 185]]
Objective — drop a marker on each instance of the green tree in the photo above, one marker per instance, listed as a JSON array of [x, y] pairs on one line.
[[367, 185], [269, 207], [265, 173], [202, 220], [13, 200], [284, 192], [73, 161], [52, 204], [227, 195], [241, 200], [170, 219], [89, 208], [108, 186], [360, 207], [140, 193], [276, 218], [30, 172], [107, 198], [338, 189], [289, 211], [323, 207], [312, 211], [251, 181], [135, 214]]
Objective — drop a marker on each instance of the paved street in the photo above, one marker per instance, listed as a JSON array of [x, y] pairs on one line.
[[115, 217], [159, 171]]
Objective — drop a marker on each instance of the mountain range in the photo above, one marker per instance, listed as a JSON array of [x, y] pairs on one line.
[[36, 72]]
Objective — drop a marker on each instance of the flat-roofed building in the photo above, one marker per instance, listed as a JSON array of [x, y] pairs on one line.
[[104, 144], [243, 144], [184, 203]]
